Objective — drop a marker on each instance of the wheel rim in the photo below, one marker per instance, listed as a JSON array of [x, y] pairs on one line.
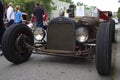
[[20, 46]]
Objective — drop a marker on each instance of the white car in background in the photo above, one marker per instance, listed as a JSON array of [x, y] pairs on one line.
[[116, 20]]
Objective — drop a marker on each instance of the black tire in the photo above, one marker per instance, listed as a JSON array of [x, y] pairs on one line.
[[13, 45], [103, 49], [112, 24], [2, 30]]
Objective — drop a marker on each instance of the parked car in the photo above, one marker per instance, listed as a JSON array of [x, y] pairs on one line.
[[70, 37], [116, 20]]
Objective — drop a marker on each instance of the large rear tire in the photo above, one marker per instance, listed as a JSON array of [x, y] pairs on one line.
[[13, 43], [103, 49]]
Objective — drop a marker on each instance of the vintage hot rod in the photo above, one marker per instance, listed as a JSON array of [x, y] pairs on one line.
[[73, 37]]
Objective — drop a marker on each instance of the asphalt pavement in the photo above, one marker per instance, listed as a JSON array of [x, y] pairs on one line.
[[116, 75], [43, 67]]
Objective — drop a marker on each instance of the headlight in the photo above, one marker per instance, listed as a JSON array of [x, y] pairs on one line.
[[39, 34], [82, 34]]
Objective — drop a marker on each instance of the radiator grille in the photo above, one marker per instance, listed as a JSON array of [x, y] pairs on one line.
[[61, 36]]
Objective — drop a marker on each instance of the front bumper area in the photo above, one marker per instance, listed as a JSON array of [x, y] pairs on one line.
[[79, 53]]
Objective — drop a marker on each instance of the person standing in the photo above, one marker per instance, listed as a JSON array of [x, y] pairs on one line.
[[10, 14], [2, 27], [18, 14], [38, 13], [33, 20], [45, 18]]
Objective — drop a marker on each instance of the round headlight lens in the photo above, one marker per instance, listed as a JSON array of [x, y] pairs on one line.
[[82, 34], [39, 34]]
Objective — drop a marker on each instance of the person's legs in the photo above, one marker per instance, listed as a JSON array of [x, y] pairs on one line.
[[41, 24], [37, 23], [20, 21], [10, 22]]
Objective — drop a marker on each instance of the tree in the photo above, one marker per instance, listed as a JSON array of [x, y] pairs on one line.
[[79, 4], [68, 1], [118, 13], [28, 5]]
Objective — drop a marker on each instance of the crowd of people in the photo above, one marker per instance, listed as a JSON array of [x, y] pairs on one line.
[[15, 16]]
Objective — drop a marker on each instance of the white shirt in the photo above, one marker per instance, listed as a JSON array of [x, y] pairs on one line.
[[10, 13]]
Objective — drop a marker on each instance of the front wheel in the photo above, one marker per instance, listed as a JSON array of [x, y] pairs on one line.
[[103, 49], [13, 43]]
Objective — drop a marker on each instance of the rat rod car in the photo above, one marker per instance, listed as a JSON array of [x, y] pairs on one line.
[[73, 37]]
